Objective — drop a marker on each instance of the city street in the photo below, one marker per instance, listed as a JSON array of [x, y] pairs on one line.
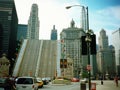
[[107, 85], [73, 86]]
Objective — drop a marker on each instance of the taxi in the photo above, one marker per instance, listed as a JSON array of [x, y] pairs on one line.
[[39, 83]]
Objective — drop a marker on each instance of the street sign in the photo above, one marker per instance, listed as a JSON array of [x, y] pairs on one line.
[[93, 86]]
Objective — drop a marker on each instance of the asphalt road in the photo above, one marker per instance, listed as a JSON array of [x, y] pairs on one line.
[[73, 86], [107, 85]]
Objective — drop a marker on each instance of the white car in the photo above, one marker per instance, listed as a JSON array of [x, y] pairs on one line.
[[26, 83]]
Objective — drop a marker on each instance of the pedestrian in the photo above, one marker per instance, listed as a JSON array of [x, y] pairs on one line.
[[101, 79], [101, 82], [116, 81]]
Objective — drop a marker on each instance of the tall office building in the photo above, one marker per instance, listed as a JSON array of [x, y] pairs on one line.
[[22, 32], [116, 44], [33, 23], [54, 33], [8, 29], [71, 46], [103, 40], [105, 55]]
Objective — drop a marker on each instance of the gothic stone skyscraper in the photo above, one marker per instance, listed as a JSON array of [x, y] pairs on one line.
[[105, 55], [33, 23], [71, 46]]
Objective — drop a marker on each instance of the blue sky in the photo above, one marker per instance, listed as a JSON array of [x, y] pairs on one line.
[[100, 4], [106, 11], [103, 14]]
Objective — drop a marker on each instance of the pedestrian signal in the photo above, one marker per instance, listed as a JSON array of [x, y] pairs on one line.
[[65, 63], [61, 63]]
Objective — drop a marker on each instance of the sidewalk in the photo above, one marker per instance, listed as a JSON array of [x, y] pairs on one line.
[[107, 85]]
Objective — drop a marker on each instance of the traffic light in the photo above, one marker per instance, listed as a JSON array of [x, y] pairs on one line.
[[61, 63], [65, 63], [84, 45], [92, 45]]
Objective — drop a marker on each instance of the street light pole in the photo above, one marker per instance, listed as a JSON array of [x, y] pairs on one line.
[[83, 16], [68, 7], [87, 19], [88, 47], [88, 39]]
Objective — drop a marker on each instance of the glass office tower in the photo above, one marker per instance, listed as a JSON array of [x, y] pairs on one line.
[[8, 28]]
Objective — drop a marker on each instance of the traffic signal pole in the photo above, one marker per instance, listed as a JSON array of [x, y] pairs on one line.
[[89, 40], [89, 73], [88, 46]]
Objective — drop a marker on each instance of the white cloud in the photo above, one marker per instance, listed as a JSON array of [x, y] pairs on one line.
[[108, 19], [111, 11]]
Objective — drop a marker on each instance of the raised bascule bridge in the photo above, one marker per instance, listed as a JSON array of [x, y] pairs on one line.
[[37, 58]]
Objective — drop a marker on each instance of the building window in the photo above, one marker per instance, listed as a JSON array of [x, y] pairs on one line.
[[9, 17], [10, 12]]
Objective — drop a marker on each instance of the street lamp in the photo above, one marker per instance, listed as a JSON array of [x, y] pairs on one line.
[[85, 17], [87, 39], [73, 6]]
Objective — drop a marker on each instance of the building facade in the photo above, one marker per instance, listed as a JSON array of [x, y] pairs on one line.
[[105, 55], [71, 46], [116, 44], [8, 28], [54, 33], [22, 32], [33, 23]]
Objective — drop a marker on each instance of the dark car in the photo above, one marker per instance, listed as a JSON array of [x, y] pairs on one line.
[[45, 81], [6, 84]]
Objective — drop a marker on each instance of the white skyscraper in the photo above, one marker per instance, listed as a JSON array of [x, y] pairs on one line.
[[116, 44], [33, 23]]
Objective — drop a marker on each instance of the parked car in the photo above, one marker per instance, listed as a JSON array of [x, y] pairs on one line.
[[39, 82], [26, 83], [6, 83]]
